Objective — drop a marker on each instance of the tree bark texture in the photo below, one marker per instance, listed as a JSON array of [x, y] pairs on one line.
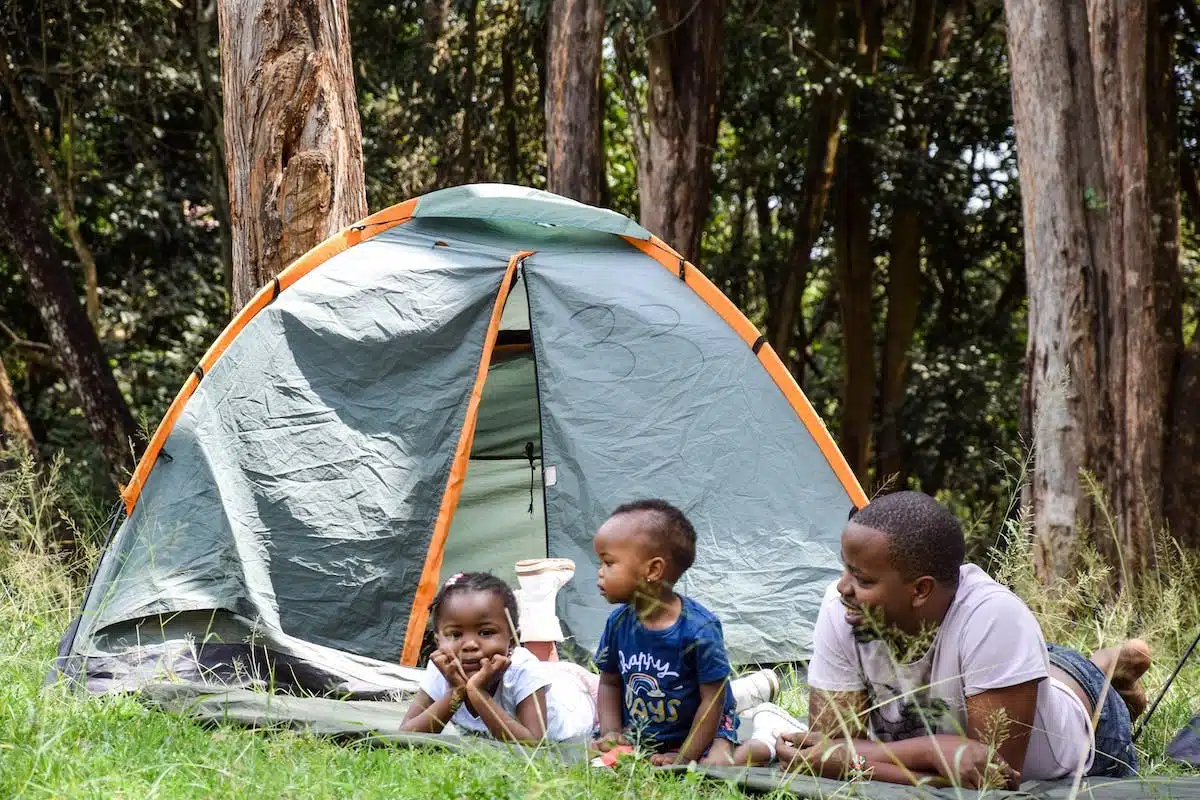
[[24, 233], [292, 135], [574, 154], [855, 258], [825, 121], [675, 166], [1103, 291], [14, 427]]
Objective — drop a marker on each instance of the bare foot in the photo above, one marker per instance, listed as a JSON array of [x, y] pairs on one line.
[[1127, 664]]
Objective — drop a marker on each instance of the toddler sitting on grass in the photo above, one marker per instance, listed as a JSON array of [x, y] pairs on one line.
[[664, 674]]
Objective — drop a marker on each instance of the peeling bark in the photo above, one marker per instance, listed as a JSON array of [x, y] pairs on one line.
[[292, 135], [574, 154], [1101, 217]]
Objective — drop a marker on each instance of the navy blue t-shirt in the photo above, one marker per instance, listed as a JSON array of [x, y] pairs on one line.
[[661, 672]]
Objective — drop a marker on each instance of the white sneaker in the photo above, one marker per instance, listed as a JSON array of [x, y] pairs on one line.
[[540, 579], [767, 721], [754, 689]]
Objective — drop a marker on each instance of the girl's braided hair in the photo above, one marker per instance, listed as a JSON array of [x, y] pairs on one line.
[[475, 582]]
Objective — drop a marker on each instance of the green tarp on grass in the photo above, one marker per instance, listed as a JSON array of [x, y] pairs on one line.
[[378, 722]]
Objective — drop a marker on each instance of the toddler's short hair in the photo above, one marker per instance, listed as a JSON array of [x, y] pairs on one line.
[[671, 533]]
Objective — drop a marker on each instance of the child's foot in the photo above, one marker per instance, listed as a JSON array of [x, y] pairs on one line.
[[1127, 663]]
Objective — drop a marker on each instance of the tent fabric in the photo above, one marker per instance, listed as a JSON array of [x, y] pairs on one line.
[[647, 393], [378, 722], [1185, 747], [304, 475], [287, 517], [491, 201]]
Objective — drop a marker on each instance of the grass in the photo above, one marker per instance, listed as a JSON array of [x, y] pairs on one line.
[[58, 743]]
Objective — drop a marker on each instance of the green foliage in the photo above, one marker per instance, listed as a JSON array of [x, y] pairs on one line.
[[128, 104]]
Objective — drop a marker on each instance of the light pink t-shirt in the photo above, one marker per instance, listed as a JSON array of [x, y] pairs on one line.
[[989, 639]]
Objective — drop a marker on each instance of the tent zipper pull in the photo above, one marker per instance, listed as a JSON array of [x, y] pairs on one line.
[[532, 474]]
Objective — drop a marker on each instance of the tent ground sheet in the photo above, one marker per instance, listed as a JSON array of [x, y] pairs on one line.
[[378, 722]]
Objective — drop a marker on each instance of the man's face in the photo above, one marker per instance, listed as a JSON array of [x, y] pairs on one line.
[[870, 582]]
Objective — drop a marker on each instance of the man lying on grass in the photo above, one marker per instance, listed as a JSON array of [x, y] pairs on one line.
[[926, 669]]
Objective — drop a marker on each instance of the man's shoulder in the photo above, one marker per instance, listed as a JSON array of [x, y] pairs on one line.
[[978, 591]]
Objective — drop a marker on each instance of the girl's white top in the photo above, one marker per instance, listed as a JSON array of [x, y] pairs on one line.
[[570, 708]]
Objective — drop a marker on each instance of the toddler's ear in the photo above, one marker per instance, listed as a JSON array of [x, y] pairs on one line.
[[656, 569]]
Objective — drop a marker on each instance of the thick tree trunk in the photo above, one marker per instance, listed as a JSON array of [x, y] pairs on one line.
[[24, 233], [675, 166], [292, 136], [856, 262], [825, 121], [574, 157], [1102, 274], [14, 427]]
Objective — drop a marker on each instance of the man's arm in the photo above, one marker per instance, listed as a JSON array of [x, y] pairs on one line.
[[1003, 719], [839, 716]]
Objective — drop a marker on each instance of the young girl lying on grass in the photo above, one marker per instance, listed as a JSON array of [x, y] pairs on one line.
[[480, 679]]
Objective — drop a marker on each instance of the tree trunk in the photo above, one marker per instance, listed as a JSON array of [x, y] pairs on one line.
[[574, 156], [855, 259], [24, 232], [204, 17], [63, 194], [466, 138], [904, 267], [292, 136], [508, 82], [820, 159], [675, 167], [1100, 218], [14, 427]]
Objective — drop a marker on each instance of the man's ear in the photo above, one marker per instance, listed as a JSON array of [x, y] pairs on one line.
[[656, 568], [922, 590]]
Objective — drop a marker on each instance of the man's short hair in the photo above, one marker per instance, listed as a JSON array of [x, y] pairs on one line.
[[671, 534], [924, 537]]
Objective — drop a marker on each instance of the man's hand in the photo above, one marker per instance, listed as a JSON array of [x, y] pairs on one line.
[[969, 764], [451, 669], [813, 750], [489, 668]]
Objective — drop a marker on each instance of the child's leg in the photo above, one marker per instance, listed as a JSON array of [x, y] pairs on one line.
[[575, 694], [540, 579]]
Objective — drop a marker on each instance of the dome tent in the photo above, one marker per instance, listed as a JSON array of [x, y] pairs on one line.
[[462, 380]]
